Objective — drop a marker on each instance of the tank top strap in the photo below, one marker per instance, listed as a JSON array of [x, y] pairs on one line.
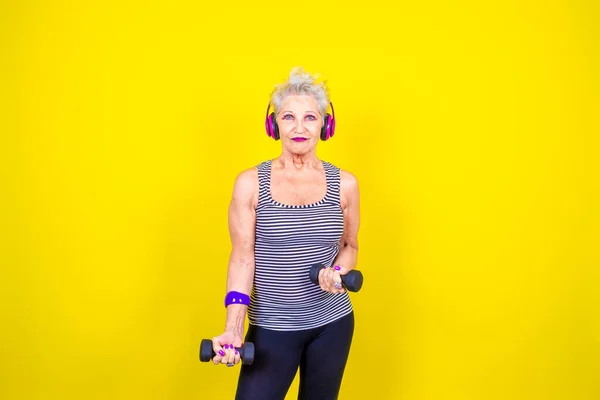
[[264, 179], [333, 182]]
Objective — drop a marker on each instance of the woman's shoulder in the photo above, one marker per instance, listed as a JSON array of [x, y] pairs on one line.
[[246, 180], [348, 181], [253, 171], [250, 176], [345, 175]]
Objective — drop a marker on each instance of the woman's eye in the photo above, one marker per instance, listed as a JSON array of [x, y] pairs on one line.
[[288, 116], [310, 117]]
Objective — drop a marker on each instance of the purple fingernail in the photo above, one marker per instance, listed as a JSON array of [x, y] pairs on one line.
[[337, 267], [226, 346], [231, 346], [221, 353], [236, 352]]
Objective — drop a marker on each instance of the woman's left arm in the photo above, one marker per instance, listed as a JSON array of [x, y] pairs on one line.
[[347, 256], [350, 203]]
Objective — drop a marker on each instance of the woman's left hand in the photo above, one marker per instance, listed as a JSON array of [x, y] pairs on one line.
[[330, 280]]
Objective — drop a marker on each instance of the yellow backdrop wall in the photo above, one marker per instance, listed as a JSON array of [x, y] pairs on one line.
[[471, 126]]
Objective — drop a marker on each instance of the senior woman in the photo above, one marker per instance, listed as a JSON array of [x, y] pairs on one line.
[[285, 215]]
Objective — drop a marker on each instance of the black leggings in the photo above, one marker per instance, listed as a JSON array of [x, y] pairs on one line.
[[321, 354]]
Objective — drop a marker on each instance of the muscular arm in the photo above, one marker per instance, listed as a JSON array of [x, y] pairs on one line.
[[350, 203], [242, 220]]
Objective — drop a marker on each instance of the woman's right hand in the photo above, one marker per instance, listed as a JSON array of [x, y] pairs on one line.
[[330, 279], [224, 348]]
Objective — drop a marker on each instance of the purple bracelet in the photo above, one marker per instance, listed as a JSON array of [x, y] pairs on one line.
[[236, 298]]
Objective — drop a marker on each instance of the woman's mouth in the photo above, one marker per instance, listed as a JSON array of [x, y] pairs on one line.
[[298, 139]]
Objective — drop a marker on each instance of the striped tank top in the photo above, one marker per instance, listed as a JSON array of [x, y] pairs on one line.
[[289, 239]]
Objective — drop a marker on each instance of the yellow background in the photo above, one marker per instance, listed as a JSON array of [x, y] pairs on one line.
[[471, 126]]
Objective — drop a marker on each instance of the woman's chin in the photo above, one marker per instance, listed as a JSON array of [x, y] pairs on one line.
[[300, 149]]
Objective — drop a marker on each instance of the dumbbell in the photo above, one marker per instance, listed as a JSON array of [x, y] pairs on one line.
[[246, 352], [353, 280]]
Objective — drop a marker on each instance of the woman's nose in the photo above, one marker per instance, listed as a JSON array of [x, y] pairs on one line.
[[299, 126]]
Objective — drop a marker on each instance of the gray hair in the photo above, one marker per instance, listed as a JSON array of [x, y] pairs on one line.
[[300, 83]]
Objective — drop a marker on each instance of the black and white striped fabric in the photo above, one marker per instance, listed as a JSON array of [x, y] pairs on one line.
[[289, 239]]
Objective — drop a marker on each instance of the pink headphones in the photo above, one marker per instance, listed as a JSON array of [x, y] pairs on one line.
[[327, 130]]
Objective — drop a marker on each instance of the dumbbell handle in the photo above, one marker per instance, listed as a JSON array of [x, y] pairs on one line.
[[353, 280], [246, 352]]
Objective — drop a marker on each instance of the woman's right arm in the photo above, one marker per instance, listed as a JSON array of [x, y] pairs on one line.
[[240, 274]]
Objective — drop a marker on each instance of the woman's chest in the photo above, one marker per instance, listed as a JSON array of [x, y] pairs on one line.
[[299, 190]]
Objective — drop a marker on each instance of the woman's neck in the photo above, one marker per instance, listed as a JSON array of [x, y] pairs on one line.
[[297, 161]]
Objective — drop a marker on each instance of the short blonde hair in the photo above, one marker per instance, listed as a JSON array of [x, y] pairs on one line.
[[301, 83]]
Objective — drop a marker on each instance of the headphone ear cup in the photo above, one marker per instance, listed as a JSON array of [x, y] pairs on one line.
[[275, 126], [326, 132], [268, 125], [271, 126]]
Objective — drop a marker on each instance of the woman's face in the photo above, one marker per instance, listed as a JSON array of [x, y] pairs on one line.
[[300, 123]]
